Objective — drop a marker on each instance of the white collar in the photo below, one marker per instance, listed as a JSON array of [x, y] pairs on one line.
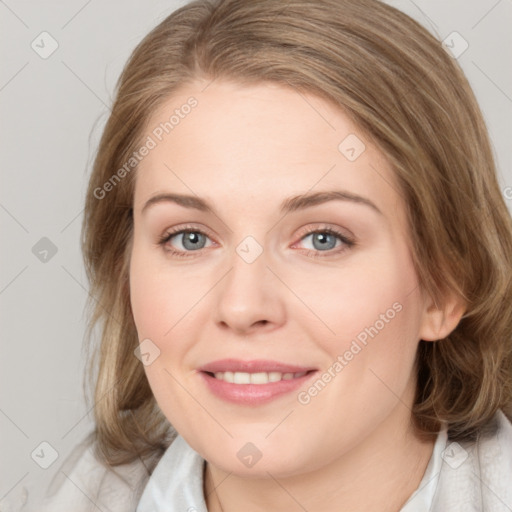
[[465, 477], [177, 481]]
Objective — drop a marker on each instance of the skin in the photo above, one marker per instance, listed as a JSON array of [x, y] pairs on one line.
[[246, 149]]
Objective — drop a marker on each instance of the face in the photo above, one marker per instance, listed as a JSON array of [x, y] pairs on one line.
[[248, 280]]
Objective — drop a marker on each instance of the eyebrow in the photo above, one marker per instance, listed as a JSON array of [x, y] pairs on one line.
[[290, 204]]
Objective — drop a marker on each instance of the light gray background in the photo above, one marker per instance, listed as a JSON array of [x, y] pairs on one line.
[[52, 113]]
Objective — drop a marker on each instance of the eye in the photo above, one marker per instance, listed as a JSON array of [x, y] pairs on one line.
[[326, 240], [188, 239]]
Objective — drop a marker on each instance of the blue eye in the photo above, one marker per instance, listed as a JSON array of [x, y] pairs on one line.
[[191, 240], [325, 242]]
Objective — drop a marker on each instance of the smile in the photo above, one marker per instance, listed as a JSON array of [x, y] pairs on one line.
[[256, 378], [253, 382]]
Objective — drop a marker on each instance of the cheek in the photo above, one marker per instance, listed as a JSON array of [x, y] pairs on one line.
[[145, 297], [158, 297], [373, 291], [374, 311], [156, 302], [164, 306]]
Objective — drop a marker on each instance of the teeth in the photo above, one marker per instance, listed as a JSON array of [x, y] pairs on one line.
[[256, 378], [241, 378]]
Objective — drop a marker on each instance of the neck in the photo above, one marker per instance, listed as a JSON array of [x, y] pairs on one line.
[[380, 473]]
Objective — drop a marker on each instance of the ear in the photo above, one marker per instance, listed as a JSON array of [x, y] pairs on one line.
[[439, 320]]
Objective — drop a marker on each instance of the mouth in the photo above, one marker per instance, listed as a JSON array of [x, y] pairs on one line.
[[253, 382]]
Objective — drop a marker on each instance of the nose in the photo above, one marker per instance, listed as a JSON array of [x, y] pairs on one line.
[[249, 298]]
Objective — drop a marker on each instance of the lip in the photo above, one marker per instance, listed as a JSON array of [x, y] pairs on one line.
[[252, 394]]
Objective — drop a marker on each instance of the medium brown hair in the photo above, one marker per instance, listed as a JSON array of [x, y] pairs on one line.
[[411, 99]]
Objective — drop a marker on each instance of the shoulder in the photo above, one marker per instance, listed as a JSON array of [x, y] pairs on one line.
[[495, 458], [477, 476], [83, 484], [499, 435]]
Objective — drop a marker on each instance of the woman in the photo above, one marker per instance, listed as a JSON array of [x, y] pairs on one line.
[[300, 258]]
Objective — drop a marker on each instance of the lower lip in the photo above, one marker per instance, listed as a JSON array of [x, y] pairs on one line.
[[253, 394]]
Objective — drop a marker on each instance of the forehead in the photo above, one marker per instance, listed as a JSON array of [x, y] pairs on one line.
[[263, 141]]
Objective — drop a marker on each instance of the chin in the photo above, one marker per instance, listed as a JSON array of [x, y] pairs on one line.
[[256, 459]]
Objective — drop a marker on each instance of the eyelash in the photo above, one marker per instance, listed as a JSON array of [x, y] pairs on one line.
[[348, 242]]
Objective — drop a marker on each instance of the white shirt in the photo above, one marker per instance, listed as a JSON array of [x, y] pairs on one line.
[[465, 477], [166, 493]]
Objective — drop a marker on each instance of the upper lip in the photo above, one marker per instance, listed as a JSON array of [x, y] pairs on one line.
[[254, 366]]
